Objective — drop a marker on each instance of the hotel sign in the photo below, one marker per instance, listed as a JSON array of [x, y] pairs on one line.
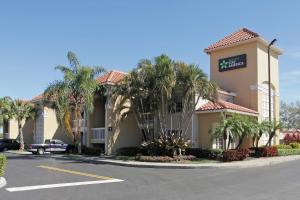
[[233, 62]]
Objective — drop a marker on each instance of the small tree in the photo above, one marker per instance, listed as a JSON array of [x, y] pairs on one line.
[[273, 128], [21, 111]]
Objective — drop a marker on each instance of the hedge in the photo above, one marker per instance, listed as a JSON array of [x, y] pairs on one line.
[[205, 153], [265, 151], [288, 152], [165, 158], [283, 146], [3, 163], [128, 151], [235, 155], [91, 151]]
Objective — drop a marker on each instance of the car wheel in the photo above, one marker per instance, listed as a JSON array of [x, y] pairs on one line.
[[40, 151], [5, 149]]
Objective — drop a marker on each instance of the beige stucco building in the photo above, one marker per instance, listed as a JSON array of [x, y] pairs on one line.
[[238, 64]]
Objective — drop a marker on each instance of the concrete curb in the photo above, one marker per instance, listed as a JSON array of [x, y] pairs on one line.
[[259, 162], [256, 162], [2, 182]]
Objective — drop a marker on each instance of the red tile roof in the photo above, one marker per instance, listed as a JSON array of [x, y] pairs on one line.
[[38, 98], [111, 77], [238, 36], [224, 105]]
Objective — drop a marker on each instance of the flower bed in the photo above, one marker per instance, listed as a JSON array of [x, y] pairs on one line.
[[3, 162], [235, 155], [165, 158]]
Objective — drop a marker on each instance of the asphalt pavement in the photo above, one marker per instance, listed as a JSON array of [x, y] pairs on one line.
[[47, 178]]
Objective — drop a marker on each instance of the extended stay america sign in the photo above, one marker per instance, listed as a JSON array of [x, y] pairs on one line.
[[233, 62]]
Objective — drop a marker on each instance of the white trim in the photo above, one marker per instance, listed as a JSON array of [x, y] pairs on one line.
[[260, 87]]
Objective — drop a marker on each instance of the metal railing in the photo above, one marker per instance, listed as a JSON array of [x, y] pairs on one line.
[[98, 134]]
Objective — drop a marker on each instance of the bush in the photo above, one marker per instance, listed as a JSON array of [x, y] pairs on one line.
[[205, 153], [266, 151], [91, 151], [165, 158], [155, 159], [287, 152], [235, 155], [128, 151], [283, 146], [295, 145], [3, 163], [291, 138]]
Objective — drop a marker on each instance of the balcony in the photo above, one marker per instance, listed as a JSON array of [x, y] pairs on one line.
[[82, 124], [98, 135]]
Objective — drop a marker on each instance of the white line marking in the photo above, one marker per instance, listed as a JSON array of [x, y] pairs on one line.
[[38, 187]]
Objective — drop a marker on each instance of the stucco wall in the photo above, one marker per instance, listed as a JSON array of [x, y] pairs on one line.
[[206, 121], [125, 132], [237, 80], [52, 130]]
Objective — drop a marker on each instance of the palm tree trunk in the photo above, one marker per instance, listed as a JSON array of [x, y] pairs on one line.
[[270, 138], [240, 141], [21, 135]]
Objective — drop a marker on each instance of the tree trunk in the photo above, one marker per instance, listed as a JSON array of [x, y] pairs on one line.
[[21, 135], [240, 142], [270, 138]]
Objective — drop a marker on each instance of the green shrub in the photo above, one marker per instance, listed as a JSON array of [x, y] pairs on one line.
[[205, 153], [128, 151], [295, 145], [283, 146], [91, 151], [288, 152], [3, 163]]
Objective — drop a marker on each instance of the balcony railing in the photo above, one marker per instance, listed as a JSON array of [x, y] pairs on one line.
[[98, 135]]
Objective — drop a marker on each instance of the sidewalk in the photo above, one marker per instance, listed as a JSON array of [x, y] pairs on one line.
[[256, 162]]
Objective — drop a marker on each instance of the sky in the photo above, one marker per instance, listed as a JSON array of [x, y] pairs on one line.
[[35, 36]]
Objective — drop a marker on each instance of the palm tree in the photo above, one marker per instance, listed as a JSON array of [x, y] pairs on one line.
[[262, 127], [75, 93], [191, 85], [20, 110], [273, 128]]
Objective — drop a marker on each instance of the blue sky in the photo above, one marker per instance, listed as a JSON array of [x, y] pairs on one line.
[[36, 35]]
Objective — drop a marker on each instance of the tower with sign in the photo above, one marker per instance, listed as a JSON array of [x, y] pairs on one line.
[[239, 64]]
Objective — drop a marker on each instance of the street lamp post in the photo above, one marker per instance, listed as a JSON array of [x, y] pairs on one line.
[[269, 81]]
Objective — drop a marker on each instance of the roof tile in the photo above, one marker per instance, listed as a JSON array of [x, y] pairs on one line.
[[221, 105], [238, 36]]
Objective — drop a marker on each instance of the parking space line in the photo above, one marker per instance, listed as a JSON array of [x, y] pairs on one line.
[[38, 187], [75, 172]]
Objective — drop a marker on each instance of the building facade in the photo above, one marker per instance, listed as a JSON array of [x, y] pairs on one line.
[[238, 64]]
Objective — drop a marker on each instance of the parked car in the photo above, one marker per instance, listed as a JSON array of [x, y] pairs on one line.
[[53, 146], [9, 144]]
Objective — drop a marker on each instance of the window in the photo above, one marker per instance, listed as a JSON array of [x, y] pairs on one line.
[[218, 143]]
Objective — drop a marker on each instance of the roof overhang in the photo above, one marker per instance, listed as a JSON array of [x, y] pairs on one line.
[[256, 39], [227, 111]]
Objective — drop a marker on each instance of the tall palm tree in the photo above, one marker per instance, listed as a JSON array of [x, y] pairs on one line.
[[20, 110], [75, 93]]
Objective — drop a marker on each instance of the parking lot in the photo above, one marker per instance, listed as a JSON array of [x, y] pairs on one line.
[[47, 178]]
